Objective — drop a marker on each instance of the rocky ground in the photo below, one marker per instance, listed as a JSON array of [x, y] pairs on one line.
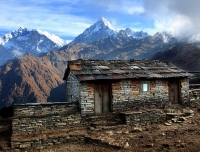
[[180, 136]]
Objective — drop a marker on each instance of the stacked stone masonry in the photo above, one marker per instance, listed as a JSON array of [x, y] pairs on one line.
[[40, 125], [127, 94], [36, 121], [184, 91], [87, 98], [144, 118], [72, 88]]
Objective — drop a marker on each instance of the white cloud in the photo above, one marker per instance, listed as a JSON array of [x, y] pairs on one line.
[[179, 17], [178, 25], [194, 38]]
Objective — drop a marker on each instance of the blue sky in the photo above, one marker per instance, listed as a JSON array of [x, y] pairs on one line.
[[69, 18]]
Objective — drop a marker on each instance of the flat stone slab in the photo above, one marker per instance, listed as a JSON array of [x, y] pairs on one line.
[[174, 114], [132, 112], [167, 124]]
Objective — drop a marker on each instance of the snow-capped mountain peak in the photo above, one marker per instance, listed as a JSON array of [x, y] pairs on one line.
[[99, 30], [106, 23], [102, 25]]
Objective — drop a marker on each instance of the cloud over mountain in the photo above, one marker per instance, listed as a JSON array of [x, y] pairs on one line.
[[179, 17]]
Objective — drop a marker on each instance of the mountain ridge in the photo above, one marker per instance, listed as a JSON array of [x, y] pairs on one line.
[[103, 29]]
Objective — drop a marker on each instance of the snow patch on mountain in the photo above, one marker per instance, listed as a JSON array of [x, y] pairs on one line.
[[52, 37], [5, 38], [136, 34]]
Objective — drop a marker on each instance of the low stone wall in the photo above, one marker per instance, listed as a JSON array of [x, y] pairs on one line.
[[143, 118], [44, 109], [35, 123]]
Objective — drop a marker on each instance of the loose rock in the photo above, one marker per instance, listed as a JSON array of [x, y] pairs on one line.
[[167, 124]]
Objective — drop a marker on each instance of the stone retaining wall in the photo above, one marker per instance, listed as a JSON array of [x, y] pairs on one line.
[[143, 118]]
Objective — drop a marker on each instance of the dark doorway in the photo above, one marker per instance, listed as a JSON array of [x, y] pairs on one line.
[[102, 97], [174, 91]]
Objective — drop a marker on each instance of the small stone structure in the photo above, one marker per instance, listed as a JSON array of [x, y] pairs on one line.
[[115, 85], [144, 118]]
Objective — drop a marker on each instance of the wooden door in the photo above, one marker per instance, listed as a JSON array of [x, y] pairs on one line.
[[174, 91], [98, 98], [105, 97], [102, 98]]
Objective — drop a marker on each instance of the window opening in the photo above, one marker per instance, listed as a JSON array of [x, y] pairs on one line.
[[145, 87]]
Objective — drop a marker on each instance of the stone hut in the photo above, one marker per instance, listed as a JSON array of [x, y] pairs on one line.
[[122, 85]]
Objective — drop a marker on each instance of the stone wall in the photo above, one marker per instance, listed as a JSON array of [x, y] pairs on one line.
[[36, 124], [86, 98], [72, 88], [127, 94], [144, 118], [184, 90]]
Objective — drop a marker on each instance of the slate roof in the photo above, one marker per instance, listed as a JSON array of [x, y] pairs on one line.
[[86, 70]]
